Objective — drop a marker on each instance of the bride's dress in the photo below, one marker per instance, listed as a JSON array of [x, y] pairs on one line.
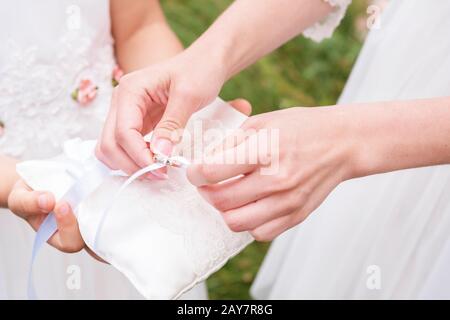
[[388, 235], [47, 47]]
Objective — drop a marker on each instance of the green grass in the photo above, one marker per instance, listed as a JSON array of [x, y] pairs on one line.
[[301, 73]]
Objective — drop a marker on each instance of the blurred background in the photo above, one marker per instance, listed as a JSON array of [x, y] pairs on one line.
[[301, 73]]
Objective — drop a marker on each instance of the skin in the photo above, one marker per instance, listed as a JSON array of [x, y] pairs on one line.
[[319, 147], [163, 96], [136, 27]]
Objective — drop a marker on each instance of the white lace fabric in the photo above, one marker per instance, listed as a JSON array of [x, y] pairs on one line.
[[324, 29], [38, 75]]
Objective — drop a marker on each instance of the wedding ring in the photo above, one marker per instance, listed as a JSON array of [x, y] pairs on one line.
[[167, 161]]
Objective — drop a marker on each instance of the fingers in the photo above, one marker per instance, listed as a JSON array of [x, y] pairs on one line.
[[108, 151], [224, 165], [237, 192], [131, 111], [272, 229], [68, 238], [260, 212], [206, 174], [168, 131], [34, 207], [25, 202], [242, 106]]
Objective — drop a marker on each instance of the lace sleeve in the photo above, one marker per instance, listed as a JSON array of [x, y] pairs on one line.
[[324, 29]]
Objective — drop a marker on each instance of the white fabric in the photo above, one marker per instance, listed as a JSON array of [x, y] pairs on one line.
[[399, 221], [47, 46], [161, 234], [324, 29]]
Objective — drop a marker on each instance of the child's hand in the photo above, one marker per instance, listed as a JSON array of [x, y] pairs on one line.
[[34, 206]]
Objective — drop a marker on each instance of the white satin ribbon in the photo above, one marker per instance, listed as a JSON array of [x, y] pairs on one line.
[[88, 180]]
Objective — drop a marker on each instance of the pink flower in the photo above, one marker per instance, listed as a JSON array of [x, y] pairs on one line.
[[116, 75], [85, 93]]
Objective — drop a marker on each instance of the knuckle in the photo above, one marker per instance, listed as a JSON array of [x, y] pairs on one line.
[[234, 224], [292, 204], [218, 201], [208, 173], [294, 201], [121, 136], [297, 218], [26, 206], [303, 194], [301, 215], [104, 150], [170, 124], [261, 236], [282, 181]]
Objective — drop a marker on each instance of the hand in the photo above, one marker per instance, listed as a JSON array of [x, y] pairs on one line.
[[34, 206], [161, 97], [315, 154]]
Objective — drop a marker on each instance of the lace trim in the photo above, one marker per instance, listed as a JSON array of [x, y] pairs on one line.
[[324, 29]]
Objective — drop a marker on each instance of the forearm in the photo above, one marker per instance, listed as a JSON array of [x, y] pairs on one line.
[[149, 45], [8, 178], [141, 34], [250, 29], [399, 135]]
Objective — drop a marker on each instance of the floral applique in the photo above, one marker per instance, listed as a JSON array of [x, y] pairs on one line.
[[85, 93]]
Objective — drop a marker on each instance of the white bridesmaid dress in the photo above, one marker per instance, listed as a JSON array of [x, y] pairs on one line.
[[47, 47], [385, 236]]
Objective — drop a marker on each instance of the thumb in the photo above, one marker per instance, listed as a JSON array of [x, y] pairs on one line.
[[68, 238], [25, 202], [242, 106], [169, 129]]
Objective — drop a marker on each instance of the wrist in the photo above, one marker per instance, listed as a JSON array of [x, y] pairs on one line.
[[369, 146], [207, 56], [351, 139]]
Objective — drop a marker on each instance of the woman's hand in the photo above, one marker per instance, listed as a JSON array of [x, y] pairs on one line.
[[315, 152], [164, 96], [318, 149], [34, 206], [161, 97]]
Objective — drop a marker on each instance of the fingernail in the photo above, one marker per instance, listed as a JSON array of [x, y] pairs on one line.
[[63, 209], [162, 146], [43, 202]]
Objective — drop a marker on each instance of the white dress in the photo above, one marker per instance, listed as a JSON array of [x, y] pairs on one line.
[[388, 235], [47, 48]]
